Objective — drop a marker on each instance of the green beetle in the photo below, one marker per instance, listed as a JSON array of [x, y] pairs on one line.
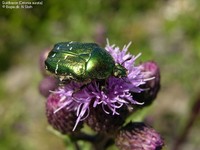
[[82, 62]]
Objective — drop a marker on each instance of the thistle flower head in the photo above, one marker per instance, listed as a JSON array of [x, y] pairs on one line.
[[139, 136], [111, 96], [64, 120]]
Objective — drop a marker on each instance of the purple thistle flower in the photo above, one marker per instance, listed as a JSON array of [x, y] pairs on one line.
[[115, 93]]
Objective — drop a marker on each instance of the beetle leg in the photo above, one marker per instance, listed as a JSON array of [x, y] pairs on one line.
[[102, 85], [79, 89]]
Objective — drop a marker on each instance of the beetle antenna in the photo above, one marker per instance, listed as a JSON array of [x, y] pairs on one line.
[[129, 58]]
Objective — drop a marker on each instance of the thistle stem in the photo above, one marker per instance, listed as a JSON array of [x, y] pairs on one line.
[[193, 117], [99, 141]]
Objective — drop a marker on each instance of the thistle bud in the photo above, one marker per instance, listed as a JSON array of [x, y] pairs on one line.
[[100, 34], [105, 123], [48, 84], [138, 136], [152, 86], [42, 59], [62, 120]]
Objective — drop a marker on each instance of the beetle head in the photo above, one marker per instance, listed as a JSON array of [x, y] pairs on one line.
[[119, 71]]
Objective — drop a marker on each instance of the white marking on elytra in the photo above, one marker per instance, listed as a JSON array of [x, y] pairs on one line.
[[57, 67], [58, 48], [53, 55], [70, 48], [69, 43]]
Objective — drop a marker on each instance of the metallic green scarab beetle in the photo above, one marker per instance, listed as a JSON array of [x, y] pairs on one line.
[[82, 62]]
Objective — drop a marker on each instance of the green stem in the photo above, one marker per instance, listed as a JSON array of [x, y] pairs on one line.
[[99, 141]]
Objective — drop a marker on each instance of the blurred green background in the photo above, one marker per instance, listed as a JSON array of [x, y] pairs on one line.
[[166, 31]]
